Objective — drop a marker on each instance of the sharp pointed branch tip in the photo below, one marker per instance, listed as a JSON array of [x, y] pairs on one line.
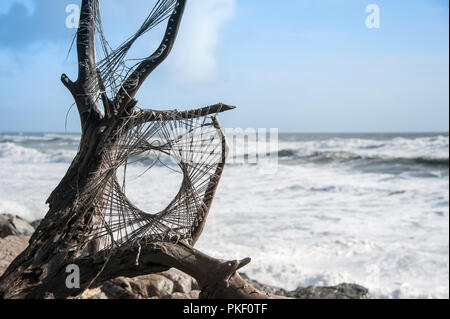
[[226, 107]]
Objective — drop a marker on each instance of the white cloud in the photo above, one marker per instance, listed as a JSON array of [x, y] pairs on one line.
[[194, 57]]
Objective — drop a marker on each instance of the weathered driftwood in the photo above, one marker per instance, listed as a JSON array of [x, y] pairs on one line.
[[66, 235]]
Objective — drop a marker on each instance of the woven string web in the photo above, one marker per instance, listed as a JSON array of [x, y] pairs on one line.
[[196, 145], [114, 67], [194, 142]]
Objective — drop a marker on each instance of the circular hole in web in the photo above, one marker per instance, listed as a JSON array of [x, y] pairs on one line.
[[150, 181]]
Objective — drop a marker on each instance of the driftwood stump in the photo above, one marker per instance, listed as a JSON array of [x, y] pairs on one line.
[[64, 236]]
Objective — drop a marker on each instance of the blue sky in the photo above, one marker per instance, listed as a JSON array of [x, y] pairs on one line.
[[295, 65]]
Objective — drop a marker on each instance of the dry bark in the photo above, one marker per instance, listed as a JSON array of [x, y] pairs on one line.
[[40, 270]]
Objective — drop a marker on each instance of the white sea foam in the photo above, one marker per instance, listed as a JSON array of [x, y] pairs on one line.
[[11, 152], [307, 224], [433, 147], [314, 226], [398, 147]]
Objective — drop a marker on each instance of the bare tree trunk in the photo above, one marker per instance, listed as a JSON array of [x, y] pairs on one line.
[[40, 270]]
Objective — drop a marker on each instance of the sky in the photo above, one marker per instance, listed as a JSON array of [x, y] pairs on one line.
[[295, 65]]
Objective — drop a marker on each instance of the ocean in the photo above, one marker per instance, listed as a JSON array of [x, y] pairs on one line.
[[371, 209]]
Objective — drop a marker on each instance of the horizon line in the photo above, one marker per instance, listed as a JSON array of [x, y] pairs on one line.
[[280, 132]]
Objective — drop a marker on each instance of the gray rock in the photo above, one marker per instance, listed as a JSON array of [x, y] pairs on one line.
[[118, 289], [264, 288], [142, 287], [95, 293], [341, 291], [101, 295], [10, 247], [181, 282], [14, 226], [154, 285], [176, 295], [194, 294]]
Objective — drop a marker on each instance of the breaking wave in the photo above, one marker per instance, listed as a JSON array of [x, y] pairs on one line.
[[290, 156]]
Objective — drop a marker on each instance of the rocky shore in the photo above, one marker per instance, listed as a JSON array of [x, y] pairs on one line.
[[172, 284]]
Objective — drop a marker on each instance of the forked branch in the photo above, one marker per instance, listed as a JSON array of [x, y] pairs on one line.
[[132, 84], [83, 89]]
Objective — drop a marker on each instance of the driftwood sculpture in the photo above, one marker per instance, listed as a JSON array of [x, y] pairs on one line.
[[91, 223]]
